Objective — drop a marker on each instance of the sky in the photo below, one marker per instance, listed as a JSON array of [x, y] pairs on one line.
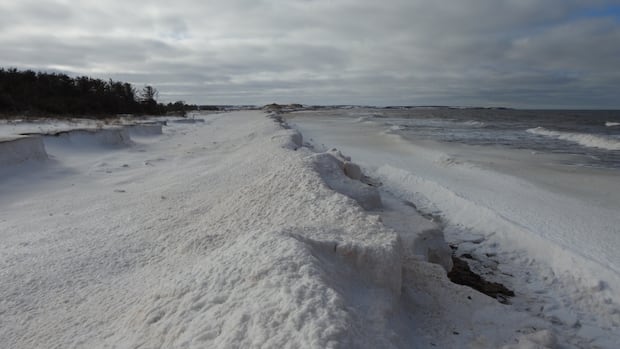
[[516, 53]]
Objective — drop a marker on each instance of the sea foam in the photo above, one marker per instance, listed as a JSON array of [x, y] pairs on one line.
[[584, 139]]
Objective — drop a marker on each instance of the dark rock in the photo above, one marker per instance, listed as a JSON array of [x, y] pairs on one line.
[[461, 274]]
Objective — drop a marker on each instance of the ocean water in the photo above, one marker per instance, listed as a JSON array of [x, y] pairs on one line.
[[594, 136]]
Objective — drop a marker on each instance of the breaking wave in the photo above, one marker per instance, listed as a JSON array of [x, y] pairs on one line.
[[474, 123], [584, 139]]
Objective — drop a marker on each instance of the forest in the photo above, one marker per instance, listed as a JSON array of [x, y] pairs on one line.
[[27, 93]]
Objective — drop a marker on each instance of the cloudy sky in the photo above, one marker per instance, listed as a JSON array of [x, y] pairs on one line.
[[521, 53]]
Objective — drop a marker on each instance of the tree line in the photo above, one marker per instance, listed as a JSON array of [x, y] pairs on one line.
[[29, 93]]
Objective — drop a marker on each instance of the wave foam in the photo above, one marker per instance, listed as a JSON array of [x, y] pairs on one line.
[[612, 124], [584, 139], [396, 128], [474, 123]]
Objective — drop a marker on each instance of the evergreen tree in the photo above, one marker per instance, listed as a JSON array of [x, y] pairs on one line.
[[27, 93]]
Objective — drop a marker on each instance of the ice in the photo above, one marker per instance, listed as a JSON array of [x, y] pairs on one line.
[[334, 173], [546, 232]]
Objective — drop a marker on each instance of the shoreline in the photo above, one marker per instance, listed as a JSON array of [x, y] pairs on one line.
[[230, 232], [440, 182]]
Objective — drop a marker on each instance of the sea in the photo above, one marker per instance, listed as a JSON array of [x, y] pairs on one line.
[[593, 136]]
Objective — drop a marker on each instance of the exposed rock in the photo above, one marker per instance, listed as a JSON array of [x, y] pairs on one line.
[[461, 274], [352, 170]]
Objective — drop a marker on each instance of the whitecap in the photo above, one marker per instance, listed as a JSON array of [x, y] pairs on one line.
[[474, 123], [584, 139]]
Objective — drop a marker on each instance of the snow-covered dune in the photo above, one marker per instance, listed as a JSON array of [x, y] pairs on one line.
[[228, 234]]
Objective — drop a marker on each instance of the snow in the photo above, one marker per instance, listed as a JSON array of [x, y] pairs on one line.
[[81, 138], [229, 233], [15, 150], [551, 232], [145, 130]]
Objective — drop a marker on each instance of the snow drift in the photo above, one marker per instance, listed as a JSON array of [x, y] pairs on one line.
[[188, 121], [15, 150], [142, 130], [113, 137]]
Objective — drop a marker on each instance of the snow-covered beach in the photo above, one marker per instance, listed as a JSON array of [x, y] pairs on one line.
[[547, 230], [231, 233]]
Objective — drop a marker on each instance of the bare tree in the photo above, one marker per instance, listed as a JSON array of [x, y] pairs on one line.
[[149, 94]]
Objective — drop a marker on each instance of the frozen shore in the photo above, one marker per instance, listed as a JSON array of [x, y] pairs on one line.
[[230, 233], [547, 231]]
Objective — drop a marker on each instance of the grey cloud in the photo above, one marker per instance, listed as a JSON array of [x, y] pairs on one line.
[[586, 45], [523, 53]]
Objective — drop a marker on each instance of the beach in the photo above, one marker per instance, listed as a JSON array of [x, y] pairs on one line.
[[251, 229]]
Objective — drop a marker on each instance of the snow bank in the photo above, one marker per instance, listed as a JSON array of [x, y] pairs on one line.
[[43, 126], [15, 150], [188, 121], [536, 236], [114, 137], [334, 171], [142, 130], [281, 260], [241, 244], [584, 139], [421, 238]]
